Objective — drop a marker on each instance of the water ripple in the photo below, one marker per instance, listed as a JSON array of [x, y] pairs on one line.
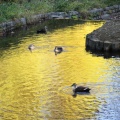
[[37, 85]]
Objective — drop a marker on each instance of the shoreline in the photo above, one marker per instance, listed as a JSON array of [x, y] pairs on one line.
[[94, 14], [106, 38]]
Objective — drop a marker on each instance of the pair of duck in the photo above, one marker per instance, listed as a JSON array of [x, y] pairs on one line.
[[44, 30], [57, 50]]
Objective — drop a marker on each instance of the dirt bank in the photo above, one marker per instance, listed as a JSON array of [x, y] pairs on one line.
[[106, 38], [110, 31]]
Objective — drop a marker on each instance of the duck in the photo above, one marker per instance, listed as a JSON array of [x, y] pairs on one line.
[[58, 50], [31, 47], [43, 30], [77, 89]]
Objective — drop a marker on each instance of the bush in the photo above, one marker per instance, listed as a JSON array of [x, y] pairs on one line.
[[10, 9], [60, 5]]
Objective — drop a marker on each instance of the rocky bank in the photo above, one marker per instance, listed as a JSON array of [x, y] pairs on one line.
[[106, 38]]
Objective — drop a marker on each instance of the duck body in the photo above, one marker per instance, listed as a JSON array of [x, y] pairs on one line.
[[31, 47], [58, 49], [42, 31], [77, 89]]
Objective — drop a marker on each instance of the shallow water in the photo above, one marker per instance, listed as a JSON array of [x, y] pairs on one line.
[[36, 86]]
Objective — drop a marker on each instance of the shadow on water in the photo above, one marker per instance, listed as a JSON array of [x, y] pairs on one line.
[[106, 55], [14, 39], [79, 93], [10, 40]]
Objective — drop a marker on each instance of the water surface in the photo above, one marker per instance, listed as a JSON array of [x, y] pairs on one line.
[[36, 86]]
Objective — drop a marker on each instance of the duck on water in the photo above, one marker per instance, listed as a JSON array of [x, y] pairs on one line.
[[58, 50], [31, 47], [42, 31], [77, 89]]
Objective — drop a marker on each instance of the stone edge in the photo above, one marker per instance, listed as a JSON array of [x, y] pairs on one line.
[[96, 14], [95, 44]]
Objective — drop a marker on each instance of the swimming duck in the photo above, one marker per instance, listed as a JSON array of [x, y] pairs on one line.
[[77, 89], [31, 47], [58, 50], [43, 30]]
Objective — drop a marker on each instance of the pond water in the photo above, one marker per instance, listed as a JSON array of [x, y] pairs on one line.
[[36, 85]]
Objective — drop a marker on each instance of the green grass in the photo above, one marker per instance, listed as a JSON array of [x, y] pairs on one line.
[[12, 10], [15, 10]]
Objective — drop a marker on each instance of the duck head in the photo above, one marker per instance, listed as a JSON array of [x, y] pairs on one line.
[[74, 85]]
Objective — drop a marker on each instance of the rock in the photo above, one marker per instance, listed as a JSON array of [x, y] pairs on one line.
[[73, 13], [107, 8], [105, 16], [95, 10], [116, 46], [58, 15], [106, 38], [23, 21], [116, 6], [99, 45], [107, 46]]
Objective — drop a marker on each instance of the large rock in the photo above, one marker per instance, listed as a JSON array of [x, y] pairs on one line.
[[106, 38], [105, 17]]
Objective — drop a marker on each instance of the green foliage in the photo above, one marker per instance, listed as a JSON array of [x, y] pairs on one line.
[[75, 5], [9, 0], [60, 5], [111, 2], [10, 9], [13, 10]]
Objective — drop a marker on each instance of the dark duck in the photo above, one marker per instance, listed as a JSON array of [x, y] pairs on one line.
[[78, 89], [31, 47], [42, 31], [58, 50]]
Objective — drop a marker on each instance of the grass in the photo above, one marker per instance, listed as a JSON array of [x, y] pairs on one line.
[[11, 10], [15, 10]]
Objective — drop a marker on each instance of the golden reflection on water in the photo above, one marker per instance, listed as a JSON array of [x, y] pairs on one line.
[[32, 84]]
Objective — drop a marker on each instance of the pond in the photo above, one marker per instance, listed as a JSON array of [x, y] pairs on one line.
[[36, 85]]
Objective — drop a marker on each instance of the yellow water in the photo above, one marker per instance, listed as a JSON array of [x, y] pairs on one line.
[[36, 86]]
